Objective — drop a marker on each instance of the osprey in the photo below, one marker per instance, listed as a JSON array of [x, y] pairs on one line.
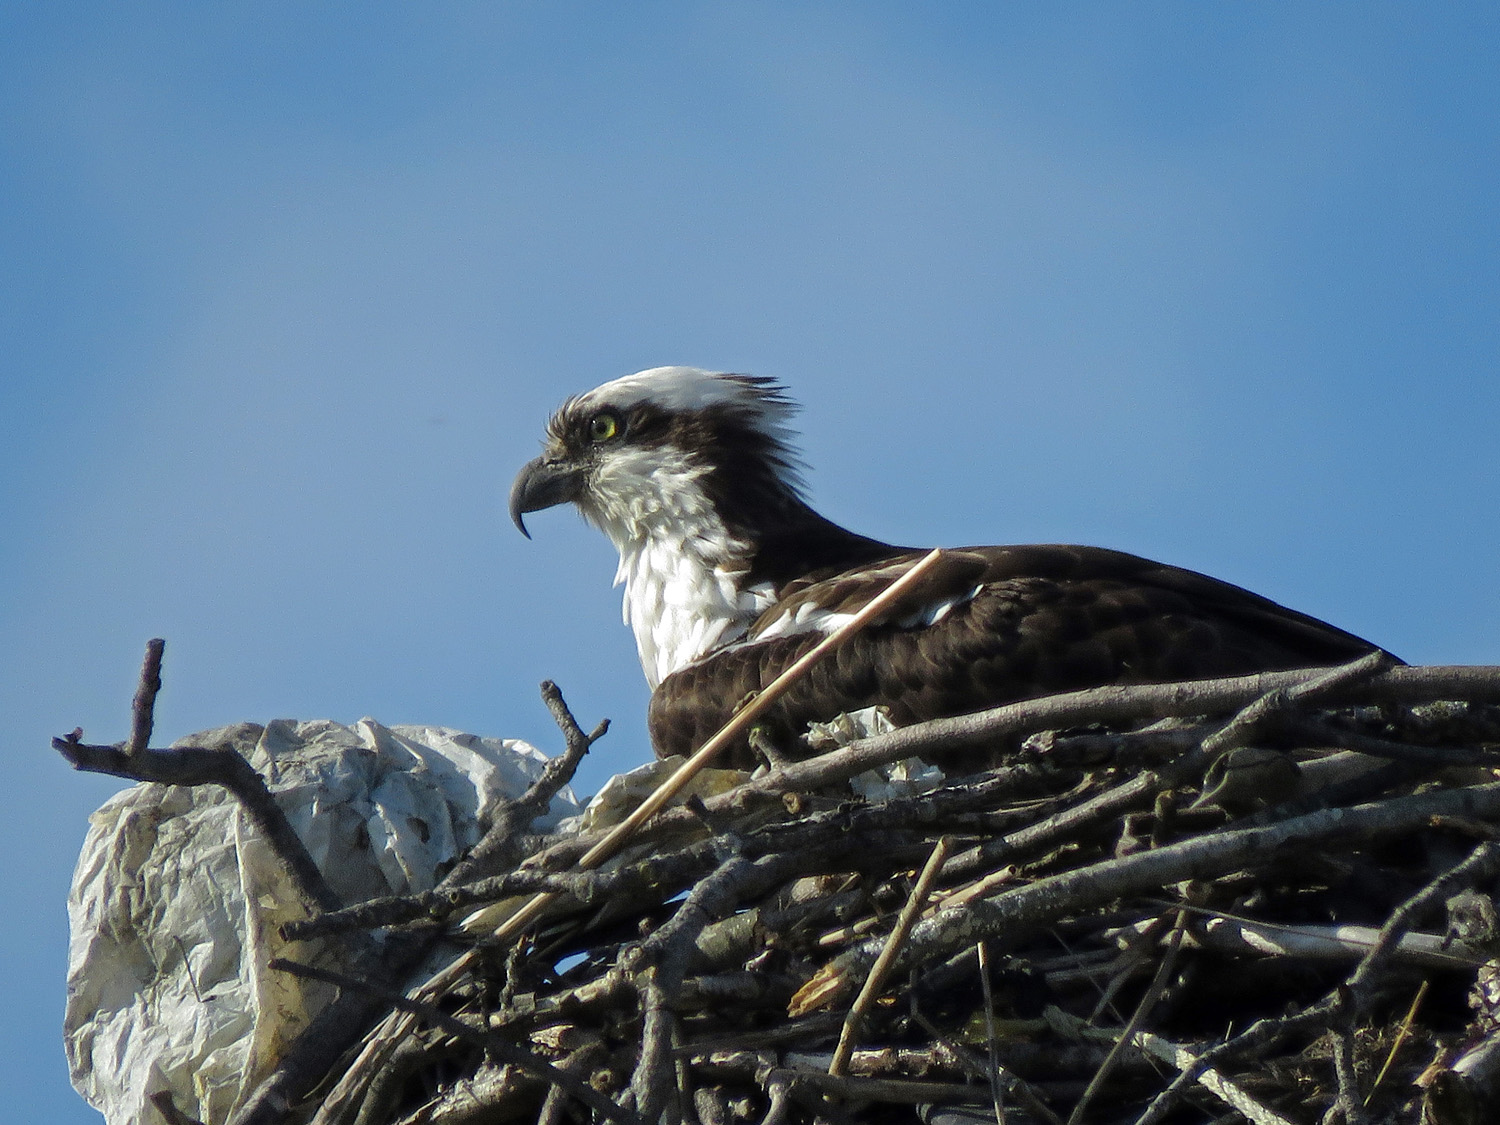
[[730, 576]]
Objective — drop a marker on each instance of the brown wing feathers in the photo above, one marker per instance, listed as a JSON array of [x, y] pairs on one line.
[[1046, 619]]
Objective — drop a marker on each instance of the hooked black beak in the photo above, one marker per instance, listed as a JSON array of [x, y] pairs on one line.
[[543, 483]]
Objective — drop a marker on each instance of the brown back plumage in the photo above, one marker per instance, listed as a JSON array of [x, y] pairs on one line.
[[1046, 619]]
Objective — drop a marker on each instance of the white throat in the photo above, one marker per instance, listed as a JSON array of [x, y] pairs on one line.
[[681, 569]]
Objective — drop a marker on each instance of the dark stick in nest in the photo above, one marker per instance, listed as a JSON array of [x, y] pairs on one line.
[[493, 1045]]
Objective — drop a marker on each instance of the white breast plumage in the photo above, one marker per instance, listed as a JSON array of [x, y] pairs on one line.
[[680, 605], [680, 567]]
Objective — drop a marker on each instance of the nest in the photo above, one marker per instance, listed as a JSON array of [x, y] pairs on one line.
[[1268, 899], [1279, 914]]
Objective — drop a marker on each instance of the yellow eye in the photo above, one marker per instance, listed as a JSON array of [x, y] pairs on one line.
[[603, 427]]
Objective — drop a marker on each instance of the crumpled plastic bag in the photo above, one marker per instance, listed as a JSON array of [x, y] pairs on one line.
[[176, 899], [906, 778]]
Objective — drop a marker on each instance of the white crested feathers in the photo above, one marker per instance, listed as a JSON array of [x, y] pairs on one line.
[[693, 388]]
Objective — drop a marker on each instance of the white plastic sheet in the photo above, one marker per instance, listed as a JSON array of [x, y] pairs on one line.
[[905, 778], [176, 901]]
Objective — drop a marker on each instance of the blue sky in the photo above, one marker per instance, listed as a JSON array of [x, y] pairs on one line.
[[288, 290]]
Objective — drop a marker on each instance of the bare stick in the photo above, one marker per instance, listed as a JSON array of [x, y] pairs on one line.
[[992, 1055], [854, 1021], [1015, 911], [1209, 1079], [143, 706], [654, 1079], [1347, 1102], [501, 847], [1122, 704], [197, 765], [500, 1049], [1482, 863], [1148, 1001], [1351, 996]]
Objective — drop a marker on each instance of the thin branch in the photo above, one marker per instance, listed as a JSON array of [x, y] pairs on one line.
[[197, 765], [494, 1045], [655, 1078], [1208, 1078], [1013, 912], [1164, 969], [992, 1055], [502, 844], [1348, 1103], [1482, 863], [143, 706], [1113, 705], [1348, 997], [741, 721], [393, 1029], [854, 1021]]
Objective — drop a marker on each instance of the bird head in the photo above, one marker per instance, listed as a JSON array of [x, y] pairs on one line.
[[665, 452]]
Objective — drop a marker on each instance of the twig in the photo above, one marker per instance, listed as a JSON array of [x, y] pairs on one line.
[[394, 1029], [992, 1056], [747, 929], [714, 897], [1106, 705], [143, 706], [736, 726], [827, 834], [262, 1108], [1109, 804], [1402, 1034], [501, 846], [498, 1048], [1482, 863], [1208, 1078], [1348, 1104], [1235, 934], [854, 1021], [197, 765], [1015, 911], [1240, 730], [1349, 997], [1153, 993], [1315, 731], [655, 1078], [1115, 704], [856, 1088]]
